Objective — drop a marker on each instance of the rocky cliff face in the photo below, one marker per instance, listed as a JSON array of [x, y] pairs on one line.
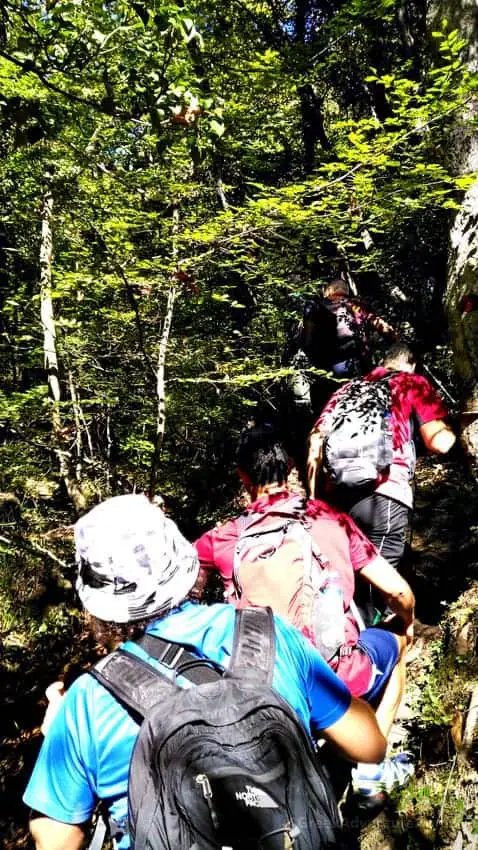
[[461, 296]]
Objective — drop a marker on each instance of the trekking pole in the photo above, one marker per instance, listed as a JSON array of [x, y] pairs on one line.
[[439, 383]]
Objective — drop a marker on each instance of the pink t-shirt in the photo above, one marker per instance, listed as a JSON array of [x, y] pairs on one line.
[[339, 540], [335, 534], [414, 403]]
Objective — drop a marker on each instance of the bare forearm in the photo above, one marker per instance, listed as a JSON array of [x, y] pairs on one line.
[[50, 834], [443, 441], [402, 602], [383, 327], [314, 461], [395, 590], [357, 735], [437, 436]]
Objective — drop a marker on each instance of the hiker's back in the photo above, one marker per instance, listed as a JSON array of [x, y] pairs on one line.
[[358, 442], [278, 562], [346, 342], [304, 391], [224, 763], [320, 329], [349, 350]]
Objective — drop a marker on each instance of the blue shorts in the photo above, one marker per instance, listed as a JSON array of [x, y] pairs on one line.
[[382, 649]]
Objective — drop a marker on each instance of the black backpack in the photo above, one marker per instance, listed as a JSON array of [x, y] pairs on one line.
[[225, 764], [319, 334], [347, 342], [314, 335]]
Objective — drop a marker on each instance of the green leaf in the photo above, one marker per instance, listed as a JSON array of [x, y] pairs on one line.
[[217, 128]]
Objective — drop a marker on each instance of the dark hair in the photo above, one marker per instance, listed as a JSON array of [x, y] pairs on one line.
[[400, 351], [108, 634], [262, 456]]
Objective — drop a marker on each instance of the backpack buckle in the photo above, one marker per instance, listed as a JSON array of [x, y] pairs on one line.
[[345, 651], [171, 655]]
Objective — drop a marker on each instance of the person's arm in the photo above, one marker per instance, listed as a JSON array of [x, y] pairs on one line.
[[197, 591], [54, 694], [50, 834], [315, 457], [349, 723], [356, 734], [314, 461], [215, 549], [396, 591], [430, 414], [372, 321], [204, 546], [382, 327], [437, 436], [60, 791]]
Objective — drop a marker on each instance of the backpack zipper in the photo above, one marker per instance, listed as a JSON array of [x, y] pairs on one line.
[[203, 780]]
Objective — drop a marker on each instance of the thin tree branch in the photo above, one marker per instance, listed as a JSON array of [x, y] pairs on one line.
[[131, 298], [134, 304], [29, 67], [22, 542], [397, 141]]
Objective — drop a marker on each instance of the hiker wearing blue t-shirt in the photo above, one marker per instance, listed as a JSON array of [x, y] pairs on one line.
[[137, 573]]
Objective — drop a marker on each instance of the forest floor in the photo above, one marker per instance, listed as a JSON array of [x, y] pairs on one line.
[[440, 807]]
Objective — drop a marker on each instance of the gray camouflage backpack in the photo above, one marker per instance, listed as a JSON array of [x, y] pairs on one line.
[[359, 442]]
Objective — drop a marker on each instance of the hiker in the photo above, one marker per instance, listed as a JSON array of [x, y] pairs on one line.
[[370, 662], [382, 505], [136, 581], [349, 354], [333, 336]]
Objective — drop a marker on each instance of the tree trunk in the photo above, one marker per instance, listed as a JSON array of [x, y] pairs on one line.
[[160, 372], [313, 129], [49, 348]]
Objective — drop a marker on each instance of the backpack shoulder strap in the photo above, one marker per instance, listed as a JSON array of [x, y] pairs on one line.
[[138, 685], [357, 616], [285, 512], [246, 520], [308, 525], [391, 373], [133, 682], [293, 507], [99, 834], [173, 655], [253, 651], [242, 522]]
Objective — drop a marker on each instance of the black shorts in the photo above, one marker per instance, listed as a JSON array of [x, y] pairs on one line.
[[385, 522]]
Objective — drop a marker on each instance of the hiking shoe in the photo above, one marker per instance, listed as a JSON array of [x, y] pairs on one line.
[[372, 782]]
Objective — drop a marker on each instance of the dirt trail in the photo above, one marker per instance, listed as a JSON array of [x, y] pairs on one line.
[[441, 808]]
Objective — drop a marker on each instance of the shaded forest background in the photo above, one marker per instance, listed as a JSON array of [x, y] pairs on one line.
[[175, 179]]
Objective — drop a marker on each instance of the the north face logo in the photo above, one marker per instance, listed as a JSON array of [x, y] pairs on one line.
[[256, 798]]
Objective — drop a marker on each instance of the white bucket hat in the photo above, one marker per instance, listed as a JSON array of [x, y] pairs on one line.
[[133, 561]]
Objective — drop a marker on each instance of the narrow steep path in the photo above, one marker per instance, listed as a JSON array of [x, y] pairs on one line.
[[440, 809]]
